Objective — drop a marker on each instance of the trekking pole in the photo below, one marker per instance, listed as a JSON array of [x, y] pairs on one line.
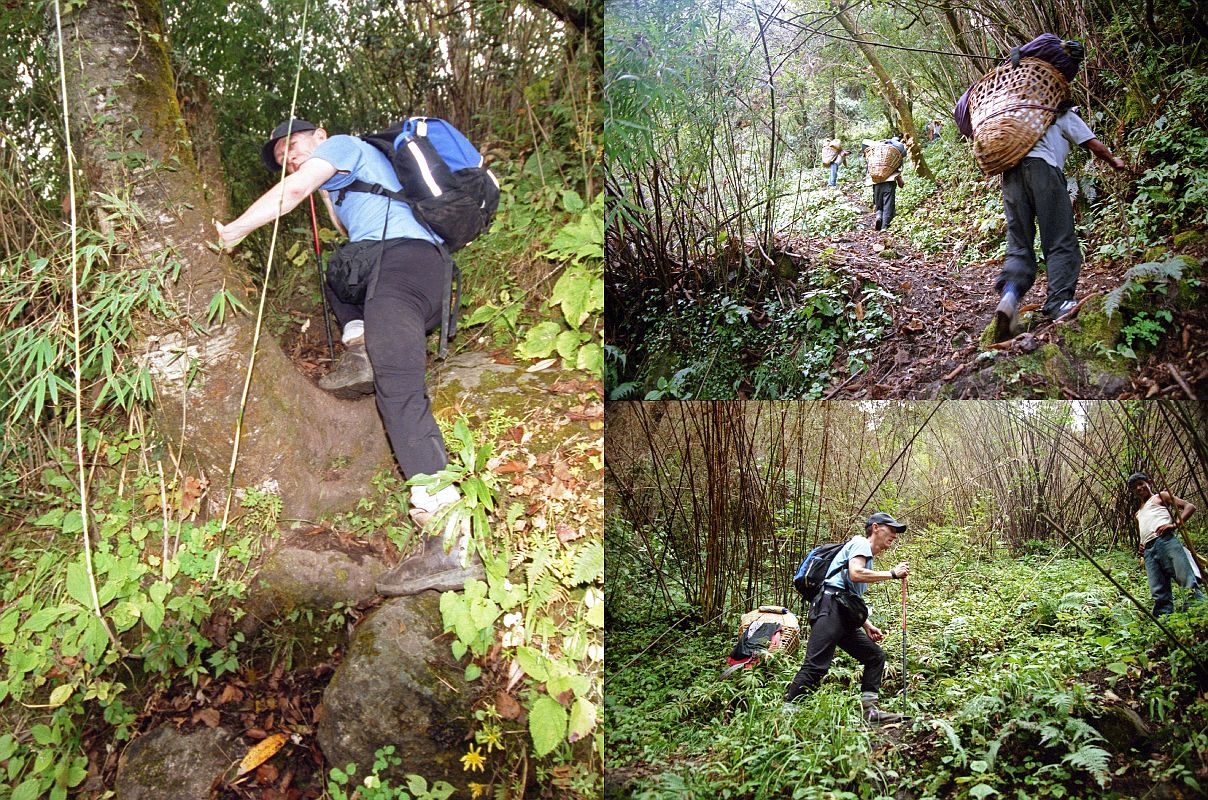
[[314, 227], [903, 640]]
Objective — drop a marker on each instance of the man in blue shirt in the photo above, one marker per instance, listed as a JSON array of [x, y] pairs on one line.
[[1034, 194], [401, 291], [829, 630]]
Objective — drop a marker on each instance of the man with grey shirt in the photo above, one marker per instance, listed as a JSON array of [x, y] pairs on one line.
[[850, 572], [1034, 193]]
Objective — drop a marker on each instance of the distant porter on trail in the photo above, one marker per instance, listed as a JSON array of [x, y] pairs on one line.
[[839, 618]]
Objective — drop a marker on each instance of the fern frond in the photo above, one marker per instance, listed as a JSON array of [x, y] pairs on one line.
[[1092, 759], [1134, 278]]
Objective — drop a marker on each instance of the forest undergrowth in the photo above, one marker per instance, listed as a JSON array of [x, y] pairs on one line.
[[749, 278], [1029, 675]]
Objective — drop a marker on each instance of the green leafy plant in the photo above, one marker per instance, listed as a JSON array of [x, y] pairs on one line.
[[340, 783], [578, 294]]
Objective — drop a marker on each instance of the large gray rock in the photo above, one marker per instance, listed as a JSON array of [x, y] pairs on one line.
[[399, 685], [166, 764]]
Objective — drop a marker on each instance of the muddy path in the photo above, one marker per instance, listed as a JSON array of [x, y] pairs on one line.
[[938, 344]]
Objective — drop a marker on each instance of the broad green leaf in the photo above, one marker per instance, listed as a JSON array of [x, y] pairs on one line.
[[59, 696], [595, 616], [591, 359], [472, 672], [483, 612], [533, 663], [41, 620], [573, 292], [540, 340], [567, 345], [158, 591], [153, 614], [459, 649], [547, 724], [28, 790], [571, 201], [582, 719], [982, 790]]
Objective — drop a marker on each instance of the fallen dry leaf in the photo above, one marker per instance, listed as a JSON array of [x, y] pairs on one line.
[[261, 752], [507, 706], [209, 716]]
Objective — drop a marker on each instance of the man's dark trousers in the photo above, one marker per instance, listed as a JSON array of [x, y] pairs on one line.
[[883, 201], [826, 633], [403, 306], [1034, 193]]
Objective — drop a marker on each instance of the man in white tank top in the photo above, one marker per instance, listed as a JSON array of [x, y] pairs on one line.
[[1165, 558]]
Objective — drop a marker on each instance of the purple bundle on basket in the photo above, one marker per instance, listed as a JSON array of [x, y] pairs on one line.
[[1066, 56]]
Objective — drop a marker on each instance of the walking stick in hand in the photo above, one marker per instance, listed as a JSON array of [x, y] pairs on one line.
[[903, 640], [314, 227]]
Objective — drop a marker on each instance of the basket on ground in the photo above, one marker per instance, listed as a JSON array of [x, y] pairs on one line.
[[883, 160], [1011, 108], [786, 637]]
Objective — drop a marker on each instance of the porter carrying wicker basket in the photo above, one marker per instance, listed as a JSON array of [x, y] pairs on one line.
[[883, 160], [1011, 108]]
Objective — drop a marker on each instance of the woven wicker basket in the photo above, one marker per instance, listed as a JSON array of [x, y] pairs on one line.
[[829, 154], [883, 161], [790, 629], [1011, 108]]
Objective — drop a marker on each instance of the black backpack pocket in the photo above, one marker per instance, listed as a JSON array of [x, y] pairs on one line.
[[350, 269]]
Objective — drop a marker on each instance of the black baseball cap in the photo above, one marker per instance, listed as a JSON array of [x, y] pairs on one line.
[[881, 518], [279, 133], [1136, 478]]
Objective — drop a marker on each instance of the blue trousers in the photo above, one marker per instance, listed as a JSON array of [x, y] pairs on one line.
[[834, 173], [1166, 560]]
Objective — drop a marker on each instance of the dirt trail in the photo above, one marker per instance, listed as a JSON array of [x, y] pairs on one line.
[[935, 345]]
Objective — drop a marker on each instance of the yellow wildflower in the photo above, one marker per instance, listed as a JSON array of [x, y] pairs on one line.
[[478, 789], [473, 760], [491, 736]]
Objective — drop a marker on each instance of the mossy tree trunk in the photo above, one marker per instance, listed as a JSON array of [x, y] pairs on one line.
[[131, 142]]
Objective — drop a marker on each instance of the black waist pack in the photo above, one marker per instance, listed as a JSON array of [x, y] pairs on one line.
[[852, 610], [351, 268]]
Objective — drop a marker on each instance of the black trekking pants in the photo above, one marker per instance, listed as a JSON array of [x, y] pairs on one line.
[[1034, 194], [401, 308], [827, 632], [883, 195]]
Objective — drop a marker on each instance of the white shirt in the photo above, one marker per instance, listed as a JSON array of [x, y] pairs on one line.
[[1153, 515], [1068, 129]]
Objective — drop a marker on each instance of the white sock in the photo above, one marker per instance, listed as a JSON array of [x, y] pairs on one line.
[[353, 330]]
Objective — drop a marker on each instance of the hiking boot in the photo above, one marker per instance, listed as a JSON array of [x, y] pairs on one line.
[[1063, 309], [877, 223], [875, 715], [1006, 316], [431, 567], [352, 377]]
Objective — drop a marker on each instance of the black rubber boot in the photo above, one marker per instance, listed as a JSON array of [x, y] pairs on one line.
[[430, 567], [1006, 316]]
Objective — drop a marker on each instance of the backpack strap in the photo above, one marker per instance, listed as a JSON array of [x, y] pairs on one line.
[[369, 188]]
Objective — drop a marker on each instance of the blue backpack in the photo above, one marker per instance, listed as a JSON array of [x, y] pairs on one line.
[[444, 179], [813, 570]]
